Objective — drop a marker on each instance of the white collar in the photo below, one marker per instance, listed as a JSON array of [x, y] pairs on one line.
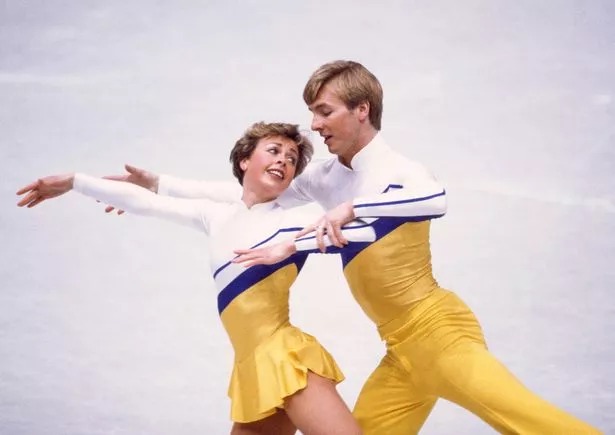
[[261, 206], [361, 160]]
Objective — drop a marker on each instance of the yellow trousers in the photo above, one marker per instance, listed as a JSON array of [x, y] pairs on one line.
[[438, 350]]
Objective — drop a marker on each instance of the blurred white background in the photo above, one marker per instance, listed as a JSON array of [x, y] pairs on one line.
[[108, 324]]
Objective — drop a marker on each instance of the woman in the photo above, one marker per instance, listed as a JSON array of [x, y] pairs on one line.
[[282, 379]]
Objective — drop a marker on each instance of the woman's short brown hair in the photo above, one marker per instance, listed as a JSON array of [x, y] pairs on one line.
[[246, 144], [354, 84]]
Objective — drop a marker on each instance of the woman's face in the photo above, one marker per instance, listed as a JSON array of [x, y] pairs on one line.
[[271, 166]]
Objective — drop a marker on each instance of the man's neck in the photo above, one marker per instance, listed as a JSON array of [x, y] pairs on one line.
[[362, 141]]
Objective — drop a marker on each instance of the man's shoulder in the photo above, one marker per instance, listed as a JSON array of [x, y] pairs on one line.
[[313, 184], [394, 155], [390, 156], [394, 163], [318, 168], [322, 164]]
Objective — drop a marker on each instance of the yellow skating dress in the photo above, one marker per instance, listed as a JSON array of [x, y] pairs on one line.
[[272, 357]]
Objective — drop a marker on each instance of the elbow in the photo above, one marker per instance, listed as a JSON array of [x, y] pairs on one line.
[[442, 203], [361, 236], [437, 205]]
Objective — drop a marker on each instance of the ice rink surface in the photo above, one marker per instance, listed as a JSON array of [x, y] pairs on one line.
[[108, 324]]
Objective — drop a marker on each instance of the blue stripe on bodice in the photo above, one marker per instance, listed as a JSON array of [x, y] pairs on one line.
[[253, 275]]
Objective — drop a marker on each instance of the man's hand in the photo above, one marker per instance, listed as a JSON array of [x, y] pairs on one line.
[[138, 176], [45, 188], [331, 225], [268, 255]]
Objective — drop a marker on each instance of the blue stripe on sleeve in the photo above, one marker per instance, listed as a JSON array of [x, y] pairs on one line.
[[403, 201], [392, 186]]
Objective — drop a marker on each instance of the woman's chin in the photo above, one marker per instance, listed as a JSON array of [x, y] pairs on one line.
[[277, 186]]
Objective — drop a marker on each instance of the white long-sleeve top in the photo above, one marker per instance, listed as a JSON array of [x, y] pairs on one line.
[[397, 196], [381, 183], [230, 225]]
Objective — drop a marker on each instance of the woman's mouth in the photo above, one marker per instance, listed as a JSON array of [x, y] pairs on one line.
[[278, 173]]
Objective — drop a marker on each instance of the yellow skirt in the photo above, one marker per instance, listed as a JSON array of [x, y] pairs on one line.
[[275, 370]]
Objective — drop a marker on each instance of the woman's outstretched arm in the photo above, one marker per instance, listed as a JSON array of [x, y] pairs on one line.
[[195, 213]]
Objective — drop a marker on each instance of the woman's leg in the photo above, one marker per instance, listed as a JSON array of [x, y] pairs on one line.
[[318, 409], [276, 424]]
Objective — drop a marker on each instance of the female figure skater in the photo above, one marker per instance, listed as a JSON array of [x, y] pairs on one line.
[[282, 379]]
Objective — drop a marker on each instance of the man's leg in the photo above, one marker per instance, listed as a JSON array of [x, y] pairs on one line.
[[446, 347], [443, 351], [473, 378], [390, 403]]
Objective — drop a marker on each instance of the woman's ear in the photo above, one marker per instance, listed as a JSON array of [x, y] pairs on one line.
[[243, 164]]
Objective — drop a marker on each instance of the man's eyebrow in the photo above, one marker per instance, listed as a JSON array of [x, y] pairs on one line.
[[317, 107]]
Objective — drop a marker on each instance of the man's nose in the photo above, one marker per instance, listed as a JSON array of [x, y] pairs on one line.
[[316, 123]]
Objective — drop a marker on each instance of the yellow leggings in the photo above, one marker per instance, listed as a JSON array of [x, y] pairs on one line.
[[438, 350]]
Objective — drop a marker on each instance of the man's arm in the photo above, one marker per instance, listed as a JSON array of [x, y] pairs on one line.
[[166, 185], [297, 194], [223, 191], [418, 196], [220, 191]]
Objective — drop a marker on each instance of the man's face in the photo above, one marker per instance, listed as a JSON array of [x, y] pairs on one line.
[[339, 126]]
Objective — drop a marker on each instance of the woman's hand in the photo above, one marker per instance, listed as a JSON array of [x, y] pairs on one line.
[[45, 188], [268, 255], [331, 225], [140, 177]]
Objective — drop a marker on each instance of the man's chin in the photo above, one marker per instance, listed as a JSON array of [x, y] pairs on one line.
[[334, 151]]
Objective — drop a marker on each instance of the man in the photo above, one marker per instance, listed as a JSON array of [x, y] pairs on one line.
[[435, 346]]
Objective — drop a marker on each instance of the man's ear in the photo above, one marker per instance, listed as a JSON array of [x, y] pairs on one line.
[[363, 110]]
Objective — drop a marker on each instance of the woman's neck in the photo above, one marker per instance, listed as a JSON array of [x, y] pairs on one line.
[[251, 198]]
